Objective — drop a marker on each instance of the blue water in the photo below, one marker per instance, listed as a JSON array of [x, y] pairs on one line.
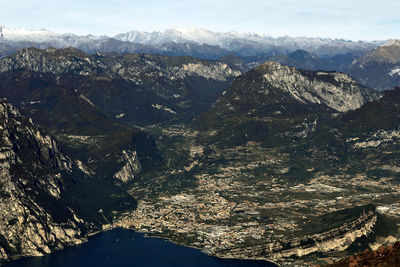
[[124, 248]]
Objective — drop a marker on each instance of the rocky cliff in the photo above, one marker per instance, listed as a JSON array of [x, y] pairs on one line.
[[335, 239], [272, 83], [34, 219], [50, 199]]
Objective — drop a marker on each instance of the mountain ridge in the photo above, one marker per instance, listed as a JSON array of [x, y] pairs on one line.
[[380, 67], [274, 83], [168, 87], [244, 44]]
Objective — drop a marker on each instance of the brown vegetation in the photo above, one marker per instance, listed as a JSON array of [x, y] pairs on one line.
[[384, 256]]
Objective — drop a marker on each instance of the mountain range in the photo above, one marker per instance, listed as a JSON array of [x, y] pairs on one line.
[[98, 132], [134, 88], [187, 40], [371, 63]]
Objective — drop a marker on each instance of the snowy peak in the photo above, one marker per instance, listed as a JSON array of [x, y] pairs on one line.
[[22, 34], [190, 41], [393, 42], [177, 35], [189, 34], [36, 37], [246, 44]]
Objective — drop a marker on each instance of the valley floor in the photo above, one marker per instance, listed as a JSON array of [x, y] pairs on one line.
[[232, 198]]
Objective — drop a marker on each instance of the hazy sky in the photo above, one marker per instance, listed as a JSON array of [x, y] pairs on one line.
[[348, 19]]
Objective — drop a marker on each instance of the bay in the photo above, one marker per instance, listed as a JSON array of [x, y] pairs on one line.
[[125, 248]]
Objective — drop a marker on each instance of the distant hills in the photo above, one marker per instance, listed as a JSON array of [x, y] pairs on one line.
[[379, 68]]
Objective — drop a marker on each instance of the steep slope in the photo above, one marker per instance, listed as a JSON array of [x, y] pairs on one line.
[[273, 83], [47, 202], [31, 171], [167, 87], [379, 68], [381, 114], [102, 146]]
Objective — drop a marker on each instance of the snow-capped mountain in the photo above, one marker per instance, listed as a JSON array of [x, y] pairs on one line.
[[183, 41], [254, 43], [42, 36], [180, 35], [23, 34]]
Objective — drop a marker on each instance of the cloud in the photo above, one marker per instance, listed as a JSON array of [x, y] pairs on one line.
[[367, 19]]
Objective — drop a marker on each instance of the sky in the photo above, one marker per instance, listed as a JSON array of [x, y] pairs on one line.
[[344, 19]]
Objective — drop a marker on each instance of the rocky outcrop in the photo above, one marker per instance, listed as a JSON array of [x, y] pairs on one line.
[[274, 83], [336, 239], [131, 168], [32, 167]]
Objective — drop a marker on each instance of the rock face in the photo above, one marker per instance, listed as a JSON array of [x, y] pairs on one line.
[[50, 200], [131, 168], [379, 68], [34, 219], [272, 83]]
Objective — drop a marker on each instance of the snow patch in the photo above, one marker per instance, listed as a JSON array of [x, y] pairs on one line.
[[119, 116], [84, 98], [395, 71], [164, 108]]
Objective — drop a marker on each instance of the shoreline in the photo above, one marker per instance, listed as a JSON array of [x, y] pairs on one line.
[[145, 234]]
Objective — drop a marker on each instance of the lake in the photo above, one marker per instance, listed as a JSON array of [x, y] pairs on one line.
[[120, 248]]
